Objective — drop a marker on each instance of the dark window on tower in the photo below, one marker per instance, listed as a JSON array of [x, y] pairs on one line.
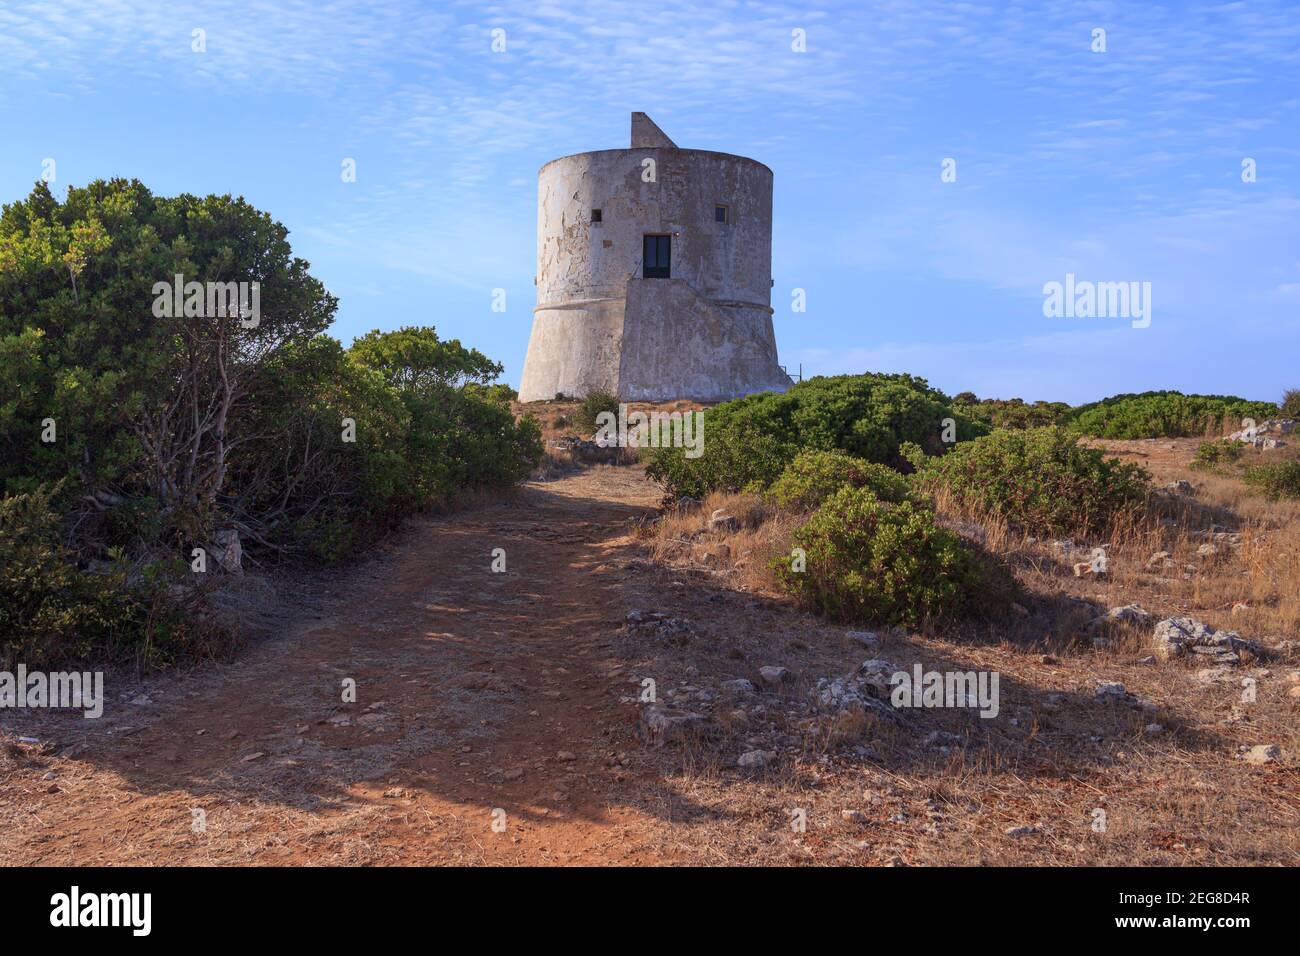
[[720, 213], [595, 215], [657, 256]]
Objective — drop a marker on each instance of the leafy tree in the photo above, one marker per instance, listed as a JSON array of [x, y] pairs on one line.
[[414, 357], [1290, 406], [142, 401]]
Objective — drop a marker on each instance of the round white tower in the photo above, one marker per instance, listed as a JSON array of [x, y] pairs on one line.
[[654, 273]]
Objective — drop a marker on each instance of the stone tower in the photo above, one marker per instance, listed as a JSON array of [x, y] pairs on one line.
[[654, 270]]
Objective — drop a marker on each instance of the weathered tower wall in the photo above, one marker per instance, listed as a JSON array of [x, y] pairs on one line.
[[704, 333]]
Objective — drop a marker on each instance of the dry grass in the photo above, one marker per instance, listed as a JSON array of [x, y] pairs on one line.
[[1056, 755]]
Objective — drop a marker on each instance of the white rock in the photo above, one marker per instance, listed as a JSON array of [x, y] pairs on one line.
[[1261, 754], [659, 726], [754, 759], [1133, 613]]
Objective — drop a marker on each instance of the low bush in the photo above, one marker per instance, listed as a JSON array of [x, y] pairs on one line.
[[816, 475], [749, 441], [868, 560], [1041, 480], [1212, 455], [1276, 480], [586, 414], [1164, 415], [52, 613], [1010, 412], [1290, 407]]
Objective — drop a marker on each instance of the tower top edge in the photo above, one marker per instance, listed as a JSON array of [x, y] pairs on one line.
[[642, 150]]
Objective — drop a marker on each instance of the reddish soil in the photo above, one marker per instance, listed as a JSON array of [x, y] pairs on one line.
[[475, 691]]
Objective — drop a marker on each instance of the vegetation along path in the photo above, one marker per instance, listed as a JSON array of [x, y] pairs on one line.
[[481, 698]]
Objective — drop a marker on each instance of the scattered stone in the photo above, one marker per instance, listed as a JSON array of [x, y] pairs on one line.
[[1020, 609], [1176, 636], [228, 551], [1155, 729], [1130, 613], [1265, 434], [853, 816], [1214, 675], [721, 521], [672, 629], [774, 676], [1022, 831], [514, 773], [659, 726], [755, 759], [565, 756], [394, 793], [1161, 559], [1207, 551], [1260, 754], [1180, 487], [738, 687], [1111, 690], [1048, 659], [49, 775], [253, 756], [865, 638], [141, 701]]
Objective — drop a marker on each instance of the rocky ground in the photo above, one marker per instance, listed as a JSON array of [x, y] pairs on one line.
[[615, 698]]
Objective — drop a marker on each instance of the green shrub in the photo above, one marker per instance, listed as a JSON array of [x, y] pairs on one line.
[[749, 441], [867, 560], [585, 415], [170, 427], [1011, 412], [1290, 407], [1211, 455], [816, 475], [1040, 480], [1276, 480], [1164, 414], [52, 613]]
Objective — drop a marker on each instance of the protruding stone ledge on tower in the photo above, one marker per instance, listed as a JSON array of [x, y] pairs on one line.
[[646, 135]]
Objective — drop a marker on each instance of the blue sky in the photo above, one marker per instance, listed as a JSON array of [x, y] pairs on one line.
[[1117, 166]]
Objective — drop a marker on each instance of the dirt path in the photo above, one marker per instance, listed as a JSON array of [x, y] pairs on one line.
[[475, 692]]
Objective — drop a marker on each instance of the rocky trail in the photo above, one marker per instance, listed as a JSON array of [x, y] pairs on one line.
[[481, 698]]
